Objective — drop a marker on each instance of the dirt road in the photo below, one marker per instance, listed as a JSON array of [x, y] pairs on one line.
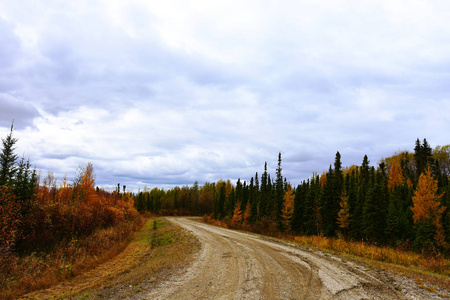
[[235, 265]]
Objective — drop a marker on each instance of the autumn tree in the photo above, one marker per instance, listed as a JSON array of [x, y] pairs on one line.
[[395, 176], [288, 208], [237, 215], [427, 211], [9, 219], [344, 213]]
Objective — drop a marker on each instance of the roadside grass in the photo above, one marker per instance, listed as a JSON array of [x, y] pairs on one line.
[[68, 259], [435, 269], [155, 251]]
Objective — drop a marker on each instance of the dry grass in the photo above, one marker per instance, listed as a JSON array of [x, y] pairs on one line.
[[428, 263], [155, 250], [69, 259]]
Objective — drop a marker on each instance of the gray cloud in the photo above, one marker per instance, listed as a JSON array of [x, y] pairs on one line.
[[171, 93], [23, 113]]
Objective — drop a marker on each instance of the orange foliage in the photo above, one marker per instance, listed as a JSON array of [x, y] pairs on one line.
[[288, 208], [349, 170], [236, 215], [9, 217], [344, 212], [323, 179], [426, 203], [74, 210], [395, 175]]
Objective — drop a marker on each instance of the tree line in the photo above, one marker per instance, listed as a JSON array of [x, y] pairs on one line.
[[404, 201]]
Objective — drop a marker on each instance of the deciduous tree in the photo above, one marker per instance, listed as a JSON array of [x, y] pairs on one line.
[[288, 208], [427, 210]]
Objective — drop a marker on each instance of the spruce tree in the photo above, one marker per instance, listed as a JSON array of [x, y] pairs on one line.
[[8, 159], [422, 155], [299, 199], [279, 192], [264, 197]]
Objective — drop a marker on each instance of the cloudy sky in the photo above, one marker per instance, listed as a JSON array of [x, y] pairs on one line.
[[164, 93]]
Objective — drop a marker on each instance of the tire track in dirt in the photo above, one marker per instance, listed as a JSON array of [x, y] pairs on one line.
[[236, 265]]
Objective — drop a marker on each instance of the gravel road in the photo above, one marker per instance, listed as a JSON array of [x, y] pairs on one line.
[[236, 265]]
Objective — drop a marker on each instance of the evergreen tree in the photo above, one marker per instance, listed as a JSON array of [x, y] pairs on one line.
[[264, 197], [25, 185], [239, 194], [297, 217], [8, 159], [279, 192], [247, 214], [331, 197], [422, 155], [373, 217], [220, 209]]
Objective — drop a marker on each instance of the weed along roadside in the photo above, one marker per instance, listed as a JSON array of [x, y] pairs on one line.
[[156, 251]]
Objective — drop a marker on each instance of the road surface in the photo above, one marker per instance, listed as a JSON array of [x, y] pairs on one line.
[[236, 265]]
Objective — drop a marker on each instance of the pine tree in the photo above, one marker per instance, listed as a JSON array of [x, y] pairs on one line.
[[373, 218], [297, 224], [256, 199], [422, 155], [8, 159], [264, 197], [331, 197], [279, 192]]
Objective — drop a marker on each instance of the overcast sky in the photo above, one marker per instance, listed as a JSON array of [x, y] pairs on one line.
[[164, 93]]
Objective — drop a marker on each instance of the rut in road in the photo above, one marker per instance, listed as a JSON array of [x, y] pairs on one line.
[[236, 265]]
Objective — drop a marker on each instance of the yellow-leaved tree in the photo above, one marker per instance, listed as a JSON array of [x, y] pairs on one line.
[[288, 208], [395, 176], [427, 213], [344, 214]]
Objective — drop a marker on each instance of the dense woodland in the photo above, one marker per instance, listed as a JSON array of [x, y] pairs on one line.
[[403, 202]]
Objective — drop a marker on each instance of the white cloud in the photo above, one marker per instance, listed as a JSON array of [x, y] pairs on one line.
[[172, 92]]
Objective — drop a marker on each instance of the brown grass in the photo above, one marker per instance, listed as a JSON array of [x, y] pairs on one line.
[[68, 259], [429, 263], [155, 251]]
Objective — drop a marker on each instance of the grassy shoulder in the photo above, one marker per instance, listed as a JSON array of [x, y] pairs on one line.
[[424, 269], [157, 250], [66, 260]]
